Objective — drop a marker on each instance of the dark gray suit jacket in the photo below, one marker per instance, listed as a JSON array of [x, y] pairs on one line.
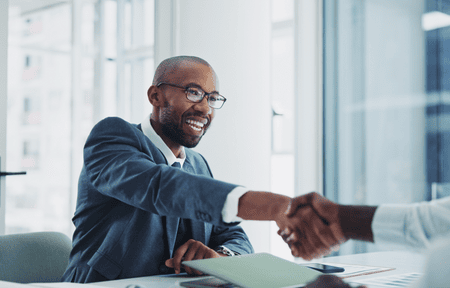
[[130, 201]]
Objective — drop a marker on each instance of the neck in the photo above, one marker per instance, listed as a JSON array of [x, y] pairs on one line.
[[174, 147]]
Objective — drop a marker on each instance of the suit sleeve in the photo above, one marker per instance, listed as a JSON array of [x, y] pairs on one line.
[[234, 238], [119, 165]]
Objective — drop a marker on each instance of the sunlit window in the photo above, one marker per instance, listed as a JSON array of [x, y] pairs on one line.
[[65, 64]]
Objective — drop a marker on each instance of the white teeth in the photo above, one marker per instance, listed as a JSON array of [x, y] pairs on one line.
[[195, 128], [196, 123]]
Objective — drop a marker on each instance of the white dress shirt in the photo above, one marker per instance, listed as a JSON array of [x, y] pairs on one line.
[[230, 208], [419, 225], [411, 225]]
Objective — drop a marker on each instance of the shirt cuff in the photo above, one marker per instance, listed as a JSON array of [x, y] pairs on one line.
[[388, 225], [230, 207]]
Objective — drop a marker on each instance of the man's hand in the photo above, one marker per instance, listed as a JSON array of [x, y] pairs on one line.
[[191, 250], [309, 224], [329, 281], [312, 228]]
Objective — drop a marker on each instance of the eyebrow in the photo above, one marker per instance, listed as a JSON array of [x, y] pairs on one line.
[[200, 87]]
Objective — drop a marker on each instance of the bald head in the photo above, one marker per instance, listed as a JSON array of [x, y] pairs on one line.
[[168, 70], [181, 122]]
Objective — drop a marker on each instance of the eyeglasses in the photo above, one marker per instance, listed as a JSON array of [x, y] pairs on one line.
[[196, 95]]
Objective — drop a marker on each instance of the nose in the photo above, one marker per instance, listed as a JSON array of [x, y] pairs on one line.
[[203, 106]]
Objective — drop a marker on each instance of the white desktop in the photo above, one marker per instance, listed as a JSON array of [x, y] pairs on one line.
[[402, 264], [398, 267]]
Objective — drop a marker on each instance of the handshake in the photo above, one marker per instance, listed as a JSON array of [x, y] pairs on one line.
[[314, 226], [311, 226]]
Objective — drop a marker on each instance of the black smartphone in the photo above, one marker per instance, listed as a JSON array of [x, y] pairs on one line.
[[325, 268]]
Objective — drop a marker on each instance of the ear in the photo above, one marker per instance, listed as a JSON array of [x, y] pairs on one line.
[[155, 97]]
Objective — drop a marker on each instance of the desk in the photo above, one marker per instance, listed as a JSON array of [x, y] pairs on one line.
[[402, 261]]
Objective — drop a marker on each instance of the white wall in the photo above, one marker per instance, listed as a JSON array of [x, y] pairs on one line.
[[234, 37], [3, 73]]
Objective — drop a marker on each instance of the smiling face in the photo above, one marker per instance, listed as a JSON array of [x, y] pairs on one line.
[[178, 121]]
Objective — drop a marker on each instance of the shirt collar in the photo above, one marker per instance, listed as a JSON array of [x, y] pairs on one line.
[[148, 131]]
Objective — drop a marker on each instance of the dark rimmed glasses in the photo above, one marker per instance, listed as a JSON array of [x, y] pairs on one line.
[[196, 95]]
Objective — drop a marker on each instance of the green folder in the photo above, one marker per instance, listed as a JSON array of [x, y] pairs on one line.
[[259, 270]]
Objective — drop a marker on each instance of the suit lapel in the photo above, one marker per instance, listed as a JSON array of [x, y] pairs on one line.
[[198, 228]]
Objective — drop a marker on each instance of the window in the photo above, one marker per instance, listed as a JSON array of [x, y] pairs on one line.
[[385, 135], [68, 68], [30, 155]]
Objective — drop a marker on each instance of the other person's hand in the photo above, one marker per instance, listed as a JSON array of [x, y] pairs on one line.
[[191, 250], [317, 230], [329, 281]]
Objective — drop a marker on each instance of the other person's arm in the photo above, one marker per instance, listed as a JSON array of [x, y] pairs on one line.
[[409, 225]]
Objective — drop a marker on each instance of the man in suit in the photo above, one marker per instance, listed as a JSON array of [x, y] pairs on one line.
[[139, 215]]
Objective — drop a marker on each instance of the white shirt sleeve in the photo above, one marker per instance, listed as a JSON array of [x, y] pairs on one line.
[[230, 207], [411, 225]]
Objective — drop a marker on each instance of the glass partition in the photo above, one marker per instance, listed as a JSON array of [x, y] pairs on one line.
[[385, 102]]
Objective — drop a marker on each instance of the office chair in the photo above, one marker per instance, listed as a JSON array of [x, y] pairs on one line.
[[34, 257]]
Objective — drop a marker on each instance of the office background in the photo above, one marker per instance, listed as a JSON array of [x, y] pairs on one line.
[[347, 98]]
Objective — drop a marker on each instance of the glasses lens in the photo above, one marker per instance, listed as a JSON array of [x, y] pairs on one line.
[[215, 101], [195, 95]]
